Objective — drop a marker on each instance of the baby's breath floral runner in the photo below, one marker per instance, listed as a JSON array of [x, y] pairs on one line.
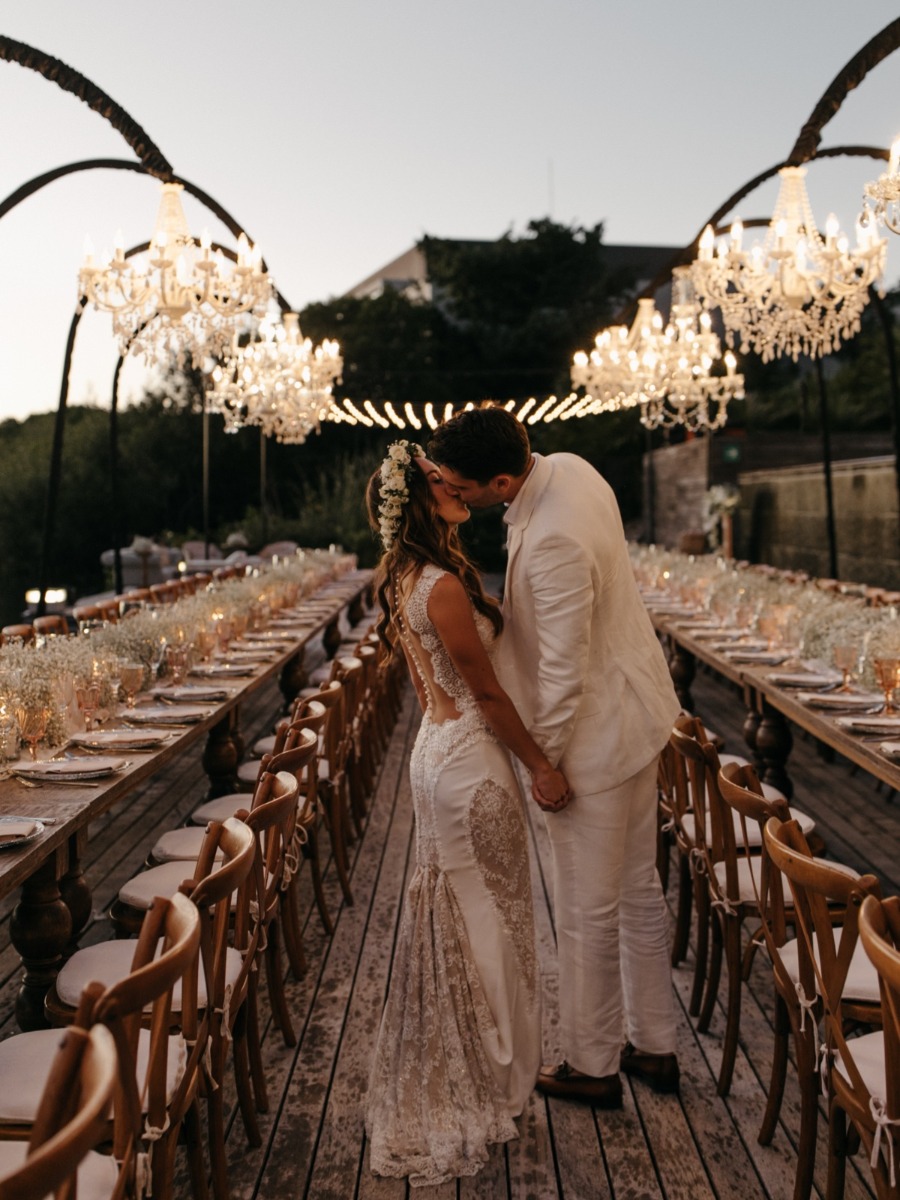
[[45, 676], [813, 620]]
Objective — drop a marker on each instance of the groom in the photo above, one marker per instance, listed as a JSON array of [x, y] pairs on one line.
[[583, 666]]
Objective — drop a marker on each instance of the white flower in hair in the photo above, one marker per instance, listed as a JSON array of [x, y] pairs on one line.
[[394, 490]]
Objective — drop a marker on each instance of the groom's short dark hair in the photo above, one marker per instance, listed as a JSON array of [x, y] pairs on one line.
[[481, 443]]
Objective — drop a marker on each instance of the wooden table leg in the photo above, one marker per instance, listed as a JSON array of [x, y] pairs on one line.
[[293, 677], [750, 728], [40, 929], [682, 668], [74, 889], [221, 758], [774, 742]]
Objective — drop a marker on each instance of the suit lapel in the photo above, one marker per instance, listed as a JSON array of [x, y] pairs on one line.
[[522, 509]]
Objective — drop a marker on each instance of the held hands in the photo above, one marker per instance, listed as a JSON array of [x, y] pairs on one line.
[[550, 789]]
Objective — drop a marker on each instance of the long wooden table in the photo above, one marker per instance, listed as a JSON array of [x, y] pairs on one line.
[[771, 710], [54, 905]]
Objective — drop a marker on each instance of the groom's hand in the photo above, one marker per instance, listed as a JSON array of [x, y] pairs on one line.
[[550, 790]]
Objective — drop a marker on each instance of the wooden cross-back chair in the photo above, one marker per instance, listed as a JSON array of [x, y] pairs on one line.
[[71, 1120], [879, 932], [156, 1077], [833, 954]]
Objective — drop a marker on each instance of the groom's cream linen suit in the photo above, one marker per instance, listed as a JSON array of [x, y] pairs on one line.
[[582, 663]]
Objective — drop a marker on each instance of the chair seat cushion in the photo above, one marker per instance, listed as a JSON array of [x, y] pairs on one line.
[[807, 824], [25, 1061], [748, 883], [221, 807], [862, 978], [164, 880], [868, 1054], [97, 1173], [320, 675], [181, 845], [248, 771], [108, 962], [264, 745]]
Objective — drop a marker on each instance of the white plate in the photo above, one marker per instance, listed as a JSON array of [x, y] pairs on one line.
[[891, 749], [121, 739], [96, 767], [870, 724], [199, 692], [22, 835], [839, 700], [804, 679], [223, 670], [164, 714], [769, 658]]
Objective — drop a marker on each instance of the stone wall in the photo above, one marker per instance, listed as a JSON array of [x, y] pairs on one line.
[[680, 477], [781, 520]]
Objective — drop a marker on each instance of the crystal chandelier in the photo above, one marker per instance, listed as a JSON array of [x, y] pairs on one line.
[[668, 371], [885, 192], [279, 381], [185, 300], [796, 292]]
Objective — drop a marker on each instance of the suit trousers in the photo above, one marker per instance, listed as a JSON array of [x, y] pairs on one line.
[[611, 926]]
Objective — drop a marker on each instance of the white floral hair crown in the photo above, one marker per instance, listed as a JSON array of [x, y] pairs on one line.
[[394, 490]]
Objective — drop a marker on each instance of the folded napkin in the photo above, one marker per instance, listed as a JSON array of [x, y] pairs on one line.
[[14, 830]]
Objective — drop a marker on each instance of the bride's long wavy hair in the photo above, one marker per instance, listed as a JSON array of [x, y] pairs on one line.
[[422, 537]]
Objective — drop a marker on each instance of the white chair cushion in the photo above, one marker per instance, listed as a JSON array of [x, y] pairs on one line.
[[807, 824], [248, 771], [164, 880], [25, 1063], [862, 978], [746, 888], [181, 845], [221, 807], [108, 962], [265, 745], [320, 675], [97, 1173], [868, 1054]]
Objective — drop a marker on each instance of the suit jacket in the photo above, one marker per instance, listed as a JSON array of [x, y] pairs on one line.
[[578, 654]]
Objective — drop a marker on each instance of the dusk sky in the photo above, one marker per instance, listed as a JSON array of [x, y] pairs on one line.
[[340, 133]]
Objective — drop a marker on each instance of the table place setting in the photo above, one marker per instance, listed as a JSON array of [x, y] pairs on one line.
[[223, 670], [70, 770], [200, 693], [890, 749], [807, 678], [846, 701], [166, 714], [16, 832], [873, 724], [99, 740], [756, 654]]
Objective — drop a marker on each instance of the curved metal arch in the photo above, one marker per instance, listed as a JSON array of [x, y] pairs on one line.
[[72, 81], [123, 164], [688, 252]]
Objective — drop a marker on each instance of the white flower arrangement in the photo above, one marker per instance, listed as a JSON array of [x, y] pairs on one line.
[[394, 490], [44, 675]]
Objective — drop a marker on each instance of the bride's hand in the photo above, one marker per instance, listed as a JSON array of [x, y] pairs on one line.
[[550, 789]]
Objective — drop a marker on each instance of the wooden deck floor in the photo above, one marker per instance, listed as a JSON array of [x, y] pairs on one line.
[[672, 1148]]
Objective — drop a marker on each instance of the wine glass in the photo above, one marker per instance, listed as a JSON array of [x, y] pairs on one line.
[[887, 672], [32, 718], [87, 693], [131, 676], [176, 658], [846, 658], [205, 643]]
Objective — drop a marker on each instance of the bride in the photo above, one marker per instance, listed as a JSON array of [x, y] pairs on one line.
[[460, 1045]]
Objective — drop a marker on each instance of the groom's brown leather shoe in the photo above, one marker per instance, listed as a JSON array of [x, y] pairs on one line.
[[602, 1091], [659, 1071]]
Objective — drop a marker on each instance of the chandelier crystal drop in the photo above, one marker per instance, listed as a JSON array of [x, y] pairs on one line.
[[796, 292], [183, 299], [278, 381], [672, 372], [884, 192]]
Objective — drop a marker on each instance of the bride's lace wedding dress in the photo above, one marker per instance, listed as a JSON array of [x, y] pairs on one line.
[[459, 1046]]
